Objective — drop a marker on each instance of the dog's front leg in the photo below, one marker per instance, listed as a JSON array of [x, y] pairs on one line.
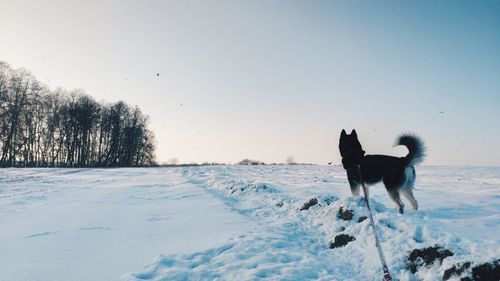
[[367, 191], [354, 187], [354, 181]]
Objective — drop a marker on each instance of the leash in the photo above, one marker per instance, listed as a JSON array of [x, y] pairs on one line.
[[387, 275]]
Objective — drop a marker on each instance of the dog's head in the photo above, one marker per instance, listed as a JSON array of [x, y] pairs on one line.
[[349, 144]]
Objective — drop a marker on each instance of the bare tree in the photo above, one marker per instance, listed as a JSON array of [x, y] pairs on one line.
[[39, 127], [250, 162], [290, 160]]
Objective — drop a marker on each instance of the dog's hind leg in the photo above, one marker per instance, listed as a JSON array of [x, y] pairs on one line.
[[408, 194], [394, 194], [407, 190]]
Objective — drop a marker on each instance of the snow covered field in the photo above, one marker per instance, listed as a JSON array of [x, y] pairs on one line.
[[235, 223]]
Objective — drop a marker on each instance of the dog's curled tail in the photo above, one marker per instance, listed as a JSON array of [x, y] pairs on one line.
[[415, 146]]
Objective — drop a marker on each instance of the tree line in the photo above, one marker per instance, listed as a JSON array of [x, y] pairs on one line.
[[40, 127]]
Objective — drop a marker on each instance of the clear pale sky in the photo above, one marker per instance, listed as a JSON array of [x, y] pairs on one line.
[[269, 79]]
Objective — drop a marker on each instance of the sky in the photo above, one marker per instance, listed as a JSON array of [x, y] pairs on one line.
[[269, 79]]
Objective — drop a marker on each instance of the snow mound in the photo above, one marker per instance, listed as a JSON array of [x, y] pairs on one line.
[[299, 228]]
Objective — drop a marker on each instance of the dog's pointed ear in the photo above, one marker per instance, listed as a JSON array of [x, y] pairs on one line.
[[343, 134], [353, 133]]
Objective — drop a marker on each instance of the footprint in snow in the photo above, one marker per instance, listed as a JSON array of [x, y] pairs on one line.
[[159, 218], [418, 235], [41, 234], [94, 228], [388, 223]]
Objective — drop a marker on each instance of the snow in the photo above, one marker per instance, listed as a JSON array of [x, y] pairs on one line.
[[101, 224], [235, 223]]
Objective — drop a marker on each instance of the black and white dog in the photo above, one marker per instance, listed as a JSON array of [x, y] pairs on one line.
[[398, 174]]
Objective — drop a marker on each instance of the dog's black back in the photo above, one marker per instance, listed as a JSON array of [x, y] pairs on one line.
[[397, 173]]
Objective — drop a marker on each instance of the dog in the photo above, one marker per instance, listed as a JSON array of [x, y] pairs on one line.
[[397, 173]]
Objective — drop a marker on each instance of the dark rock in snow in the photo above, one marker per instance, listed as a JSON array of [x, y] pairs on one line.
[[482, 272], [487, 271], [309, 204], [341, 240], [362, 218], [345, 214], [456, 270], [427, 256]]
